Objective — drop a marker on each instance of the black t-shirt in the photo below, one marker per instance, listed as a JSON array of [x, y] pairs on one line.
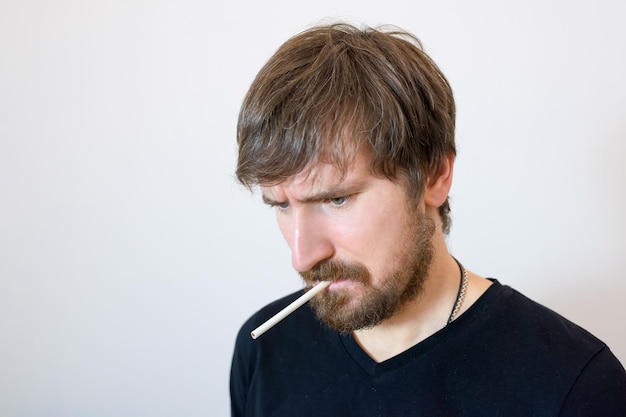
[[505, 356]]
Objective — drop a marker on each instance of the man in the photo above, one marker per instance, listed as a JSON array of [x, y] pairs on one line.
[[350, 135]]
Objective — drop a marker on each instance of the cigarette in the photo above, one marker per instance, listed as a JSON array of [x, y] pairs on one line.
[[289, 309]]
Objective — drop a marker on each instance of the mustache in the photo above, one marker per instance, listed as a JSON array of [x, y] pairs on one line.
[[333, 270]]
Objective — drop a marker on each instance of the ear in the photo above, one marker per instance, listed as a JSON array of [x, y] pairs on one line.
[[439, 184]]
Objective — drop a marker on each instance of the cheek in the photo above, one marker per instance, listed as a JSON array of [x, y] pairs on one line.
[[371, 235]]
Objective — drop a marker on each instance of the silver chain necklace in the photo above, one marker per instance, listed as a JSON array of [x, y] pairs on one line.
[[460, 294]]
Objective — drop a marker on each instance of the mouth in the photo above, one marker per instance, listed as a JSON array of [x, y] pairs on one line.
[[335, 284], [342, 275], [343, 284]]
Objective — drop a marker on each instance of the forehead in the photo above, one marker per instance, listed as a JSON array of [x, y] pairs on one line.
[[325, 176]]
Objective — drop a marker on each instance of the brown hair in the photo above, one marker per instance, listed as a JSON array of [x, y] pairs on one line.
[[332, 90]]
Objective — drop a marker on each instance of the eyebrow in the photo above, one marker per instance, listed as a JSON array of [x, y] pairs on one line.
[[323, 195]]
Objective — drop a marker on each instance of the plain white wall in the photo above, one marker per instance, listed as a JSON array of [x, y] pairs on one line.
[[128, 255]]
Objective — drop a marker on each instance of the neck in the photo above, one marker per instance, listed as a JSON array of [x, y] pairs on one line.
[[418, 319]]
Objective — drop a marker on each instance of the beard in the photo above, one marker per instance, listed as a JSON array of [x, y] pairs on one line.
[[402, 282]]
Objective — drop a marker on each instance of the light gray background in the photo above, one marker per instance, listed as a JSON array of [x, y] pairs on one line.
[[128, 255]]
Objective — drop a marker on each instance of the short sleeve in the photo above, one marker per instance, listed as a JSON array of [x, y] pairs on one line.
[[600, 389]]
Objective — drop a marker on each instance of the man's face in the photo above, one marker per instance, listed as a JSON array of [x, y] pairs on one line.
[[360, 232]]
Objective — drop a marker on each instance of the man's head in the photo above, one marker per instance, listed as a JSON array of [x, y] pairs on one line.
[[335, 91], [350, 134]]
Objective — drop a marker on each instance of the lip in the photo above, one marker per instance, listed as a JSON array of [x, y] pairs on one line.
[[342, 284]]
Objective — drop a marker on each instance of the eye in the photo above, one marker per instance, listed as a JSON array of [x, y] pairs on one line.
[[339, 201], [281, 206]]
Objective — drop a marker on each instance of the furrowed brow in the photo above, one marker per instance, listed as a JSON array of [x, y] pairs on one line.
[[339, 191], [269, 201]]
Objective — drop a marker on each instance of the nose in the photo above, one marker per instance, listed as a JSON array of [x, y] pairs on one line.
[[309, 240]]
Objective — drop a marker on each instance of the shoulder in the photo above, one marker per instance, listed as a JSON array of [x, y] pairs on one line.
[[598, 379], [534, 352], [536, 334], [533, 318], [525, 334], [545, 327]]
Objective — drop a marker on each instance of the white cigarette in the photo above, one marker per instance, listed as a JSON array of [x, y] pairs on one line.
[[289, 309]]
